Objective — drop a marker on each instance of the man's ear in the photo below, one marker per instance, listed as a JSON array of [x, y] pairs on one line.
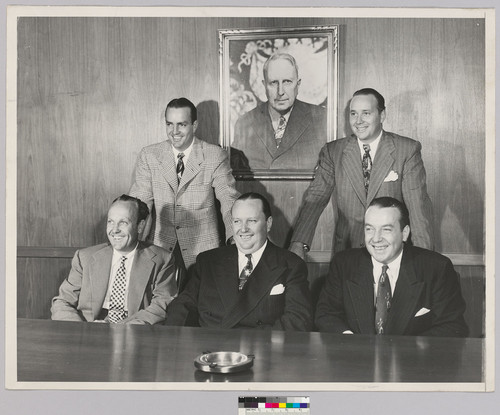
[[382, 116], [140, 227], [269, 223], [195, 126], [406, 233]]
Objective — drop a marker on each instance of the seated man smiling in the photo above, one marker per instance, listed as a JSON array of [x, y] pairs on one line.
[[390, 287], [252, 284], [123, 281]]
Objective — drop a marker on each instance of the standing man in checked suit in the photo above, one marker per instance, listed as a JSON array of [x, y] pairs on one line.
[[251, 284], [283, 132], [355, 170], [182, 177]]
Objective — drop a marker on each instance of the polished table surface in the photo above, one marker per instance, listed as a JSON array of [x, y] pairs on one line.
[[94, 352]]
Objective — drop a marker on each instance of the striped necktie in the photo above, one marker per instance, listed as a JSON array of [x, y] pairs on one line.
[[180, 166], [278, 135], [367, 165]]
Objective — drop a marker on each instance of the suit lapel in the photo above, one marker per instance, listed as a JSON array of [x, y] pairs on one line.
[[193, 165], [263, 129], [99, 272], [168, 166], [258, 286], [351, 163], [298, 122], [361, 292], [406, 295], [382, 164], [226, 276], [139, 277]]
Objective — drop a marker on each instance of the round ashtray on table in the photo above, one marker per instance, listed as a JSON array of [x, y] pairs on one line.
[[223, 362]]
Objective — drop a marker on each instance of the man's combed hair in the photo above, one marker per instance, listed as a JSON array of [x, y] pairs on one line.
[[266, 207], [142, 208], [280, 56], [183, 103], [378, 96], [386, 202]]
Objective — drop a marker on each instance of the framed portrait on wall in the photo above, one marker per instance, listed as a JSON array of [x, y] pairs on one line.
[[276, 117]]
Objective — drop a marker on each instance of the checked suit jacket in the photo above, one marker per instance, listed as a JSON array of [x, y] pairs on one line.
[[305, 134], [427, 299], [186, 212], [275, 296], [398, 171], [151, 287]]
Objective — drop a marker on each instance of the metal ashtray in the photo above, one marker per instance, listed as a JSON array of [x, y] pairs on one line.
[[223, 362]]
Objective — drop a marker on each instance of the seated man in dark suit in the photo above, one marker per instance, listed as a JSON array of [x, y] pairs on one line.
[[390, 287], [252, 284], [123, 281]]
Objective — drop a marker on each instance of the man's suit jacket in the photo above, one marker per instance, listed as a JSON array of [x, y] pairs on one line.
[[186, 212], [397, 171], [426, 280], [305, 134], [151, 287], [275, 296]]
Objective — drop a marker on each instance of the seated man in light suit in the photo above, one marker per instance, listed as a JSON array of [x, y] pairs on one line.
[[252, 284], [389, 287], [123, 281]]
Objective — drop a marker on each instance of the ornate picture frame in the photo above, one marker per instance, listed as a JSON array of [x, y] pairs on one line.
[[243, 53]]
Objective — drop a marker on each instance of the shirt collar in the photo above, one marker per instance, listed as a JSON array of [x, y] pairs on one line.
[[275, 115], [394, 266], [373, 145], [186, 152], [255, 255], [117, 256]]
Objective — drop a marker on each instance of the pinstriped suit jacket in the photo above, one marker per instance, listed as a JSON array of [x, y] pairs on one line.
[[339, 176], [212, 298], [186, 212], [426, 280]]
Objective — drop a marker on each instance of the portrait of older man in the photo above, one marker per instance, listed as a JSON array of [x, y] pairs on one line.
[[283, 132]]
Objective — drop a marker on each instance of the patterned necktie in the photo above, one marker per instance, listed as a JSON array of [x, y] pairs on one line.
[[245, 272], [367, 165], [278, 135], [383, 301], [116, 310], [180, 166]]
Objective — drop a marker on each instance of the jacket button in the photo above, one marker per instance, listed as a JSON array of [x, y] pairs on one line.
[[177, 227], [259, 323]]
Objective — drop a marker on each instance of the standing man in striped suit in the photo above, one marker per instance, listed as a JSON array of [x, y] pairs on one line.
[[182, 177], [355, 170]]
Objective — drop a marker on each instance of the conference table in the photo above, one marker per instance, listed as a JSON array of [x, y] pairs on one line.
[[64, 351]]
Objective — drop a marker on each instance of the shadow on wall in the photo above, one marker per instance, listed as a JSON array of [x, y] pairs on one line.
[[208, 122]]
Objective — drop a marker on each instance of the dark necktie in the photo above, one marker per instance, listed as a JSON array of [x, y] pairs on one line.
[[383, 301], [367, 165], [278, 135], [245, 272], [180, 166], [116, 310]]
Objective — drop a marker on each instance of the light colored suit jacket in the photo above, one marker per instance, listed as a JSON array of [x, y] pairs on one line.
[[151, 288], [186, 212], [397, 171], [305, 134], [427, 299], [275, 296]]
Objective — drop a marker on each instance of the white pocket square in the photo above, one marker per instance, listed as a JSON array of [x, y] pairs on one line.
[[422, 311], [391, 177], [278, 289]]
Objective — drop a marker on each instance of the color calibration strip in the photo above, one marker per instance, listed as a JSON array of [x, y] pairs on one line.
[[274, 404]]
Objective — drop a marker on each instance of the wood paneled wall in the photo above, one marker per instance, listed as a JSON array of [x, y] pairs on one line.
[[92, 91]]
